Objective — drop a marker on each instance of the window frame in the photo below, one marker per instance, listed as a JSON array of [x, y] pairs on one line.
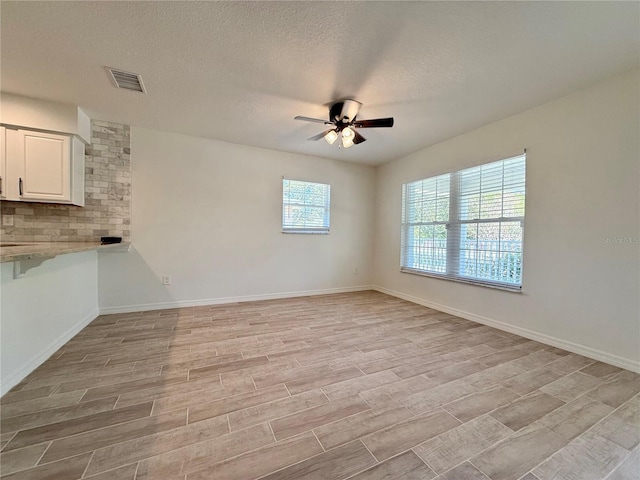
[[325, 229], [454, 227]]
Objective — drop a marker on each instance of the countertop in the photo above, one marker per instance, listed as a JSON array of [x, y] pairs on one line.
[[32, 250]]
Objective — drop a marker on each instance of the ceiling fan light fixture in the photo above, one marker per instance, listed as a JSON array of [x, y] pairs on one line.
[[331, 137], [347, 142], [347, 133]]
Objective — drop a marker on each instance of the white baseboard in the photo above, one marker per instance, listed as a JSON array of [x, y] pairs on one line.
[[11, 381], [223, 300], [589, 352]]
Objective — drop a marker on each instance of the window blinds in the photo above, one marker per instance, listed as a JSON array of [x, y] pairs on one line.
[[467, 225], [305, 207], [426, 214]]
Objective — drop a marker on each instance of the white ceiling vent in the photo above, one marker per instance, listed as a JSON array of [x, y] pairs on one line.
[[127, 80]]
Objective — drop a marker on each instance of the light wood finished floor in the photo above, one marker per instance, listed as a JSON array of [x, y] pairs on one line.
[[361, 386]]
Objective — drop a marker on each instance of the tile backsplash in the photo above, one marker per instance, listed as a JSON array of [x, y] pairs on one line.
[[107, 209]]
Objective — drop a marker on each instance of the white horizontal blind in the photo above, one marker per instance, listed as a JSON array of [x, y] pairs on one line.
[[491, 220], [306, 207], [425, 216], [483, 237]]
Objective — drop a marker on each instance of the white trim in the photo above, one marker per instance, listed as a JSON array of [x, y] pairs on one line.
[[217, 301], [12, 380], [590, 352]]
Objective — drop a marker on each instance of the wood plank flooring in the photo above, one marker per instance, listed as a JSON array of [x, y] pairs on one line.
[[361, 386]]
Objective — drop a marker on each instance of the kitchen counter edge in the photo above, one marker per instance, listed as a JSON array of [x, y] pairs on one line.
[[45, 250]]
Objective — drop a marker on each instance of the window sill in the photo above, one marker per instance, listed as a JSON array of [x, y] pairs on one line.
[[495, 286], [306, 232]]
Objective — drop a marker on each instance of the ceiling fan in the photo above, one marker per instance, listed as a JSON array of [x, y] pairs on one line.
[[343, 117]]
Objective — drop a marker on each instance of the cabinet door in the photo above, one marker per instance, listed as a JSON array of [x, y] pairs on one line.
[[45, 167], [3, 163]]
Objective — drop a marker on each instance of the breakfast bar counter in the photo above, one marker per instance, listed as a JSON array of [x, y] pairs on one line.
[[18, 251]]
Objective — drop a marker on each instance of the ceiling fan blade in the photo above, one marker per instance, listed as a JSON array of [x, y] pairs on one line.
[[374, 123], [320, 135], [309, 119], [357, 138]]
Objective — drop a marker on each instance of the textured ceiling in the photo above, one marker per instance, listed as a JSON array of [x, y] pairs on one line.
[[240, 71]]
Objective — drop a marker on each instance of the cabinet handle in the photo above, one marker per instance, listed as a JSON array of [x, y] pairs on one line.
[[20, 185], [0, 185]]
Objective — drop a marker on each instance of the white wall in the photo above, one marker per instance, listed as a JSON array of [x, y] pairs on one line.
[[208, 213], [42, 310], [579, 291]]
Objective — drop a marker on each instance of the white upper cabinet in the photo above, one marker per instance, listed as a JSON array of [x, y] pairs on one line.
[[42, 146], [45, 163], [44, 167]]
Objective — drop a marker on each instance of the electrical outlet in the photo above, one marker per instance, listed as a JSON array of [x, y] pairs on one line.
[[166, 279]]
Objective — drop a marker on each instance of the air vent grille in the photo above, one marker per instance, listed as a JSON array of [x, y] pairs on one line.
[[127, 80]]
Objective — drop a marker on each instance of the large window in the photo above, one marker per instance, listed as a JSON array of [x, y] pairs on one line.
[[467, 225], [305, 207]]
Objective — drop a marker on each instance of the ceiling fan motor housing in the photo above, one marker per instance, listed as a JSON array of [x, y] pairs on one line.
[[345, 111]]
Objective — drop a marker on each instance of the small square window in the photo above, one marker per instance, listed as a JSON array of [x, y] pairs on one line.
[[305, 207]]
